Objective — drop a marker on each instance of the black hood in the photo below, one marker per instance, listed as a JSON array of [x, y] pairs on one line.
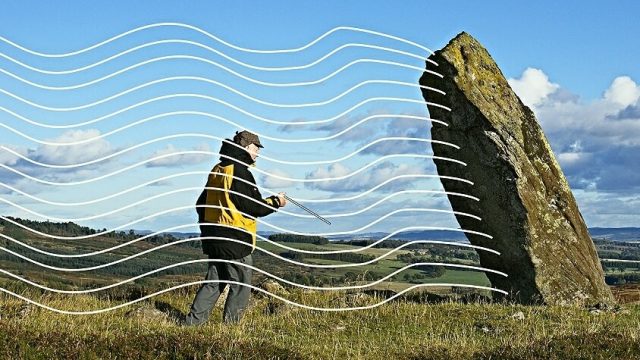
[[230, 149]]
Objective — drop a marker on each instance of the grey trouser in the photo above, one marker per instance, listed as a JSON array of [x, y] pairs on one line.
[[237, 299]]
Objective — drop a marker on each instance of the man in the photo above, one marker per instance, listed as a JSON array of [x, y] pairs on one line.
[[223, 213]]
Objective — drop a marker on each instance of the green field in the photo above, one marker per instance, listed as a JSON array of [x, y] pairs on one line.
[[401, 329], [426, 323]]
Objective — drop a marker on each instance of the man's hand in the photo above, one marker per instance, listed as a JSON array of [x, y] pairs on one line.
[[281, 199]]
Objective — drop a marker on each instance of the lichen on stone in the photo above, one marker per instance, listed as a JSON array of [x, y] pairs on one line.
[[526, 202]]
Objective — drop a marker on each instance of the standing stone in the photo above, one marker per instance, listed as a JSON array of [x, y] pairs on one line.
[[525, 204]]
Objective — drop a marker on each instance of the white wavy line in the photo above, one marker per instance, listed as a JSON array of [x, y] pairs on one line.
[[621, 260], [221, 155], [211, 36], [230, 71], [72, 183], [268, 206], [191, 207], [212, 137], [254, 288], [115, 211], [240, 179], [218, 52], [320, 266], [262, 102], [320, 252], [255, 268], [198, 113], [232, 89], [257, 117]]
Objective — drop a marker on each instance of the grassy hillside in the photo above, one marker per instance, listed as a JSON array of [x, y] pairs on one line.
[[403, 329], [442, 323], [170, 251]]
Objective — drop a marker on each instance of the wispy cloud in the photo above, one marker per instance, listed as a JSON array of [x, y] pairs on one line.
[[73, 154], [58, 155], [364, 180], [596, 142], [391, 126], [365, 130], [403, 127], [274, 183], [179, 159], [7, 158]]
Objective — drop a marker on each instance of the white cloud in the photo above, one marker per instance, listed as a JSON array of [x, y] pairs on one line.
[[274, 183], [59, 155], [362, 131], [19, 183], [8, 158], [179, 159], [623, 91], [402, 127], [361, 181], [533, 86], [610, 120], [595, 141], [608, 209], [574, 156], [333, 170], [567, 159], [73, 154], [576, 146]]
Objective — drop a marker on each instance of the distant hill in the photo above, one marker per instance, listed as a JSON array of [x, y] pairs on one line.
[[612, 244], [444, 235], [613, 234], [616, 234]]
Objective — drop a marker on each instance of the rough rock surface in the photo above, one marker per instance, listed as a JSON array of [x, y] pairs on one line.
[[525, 203]]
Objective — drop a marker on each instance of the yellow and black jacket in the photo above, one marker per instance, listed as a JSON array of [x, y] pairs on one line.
[[231, 215]]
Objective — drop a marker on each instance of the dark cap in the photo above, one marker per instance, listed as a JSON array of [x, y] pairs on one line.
[[245, 138]]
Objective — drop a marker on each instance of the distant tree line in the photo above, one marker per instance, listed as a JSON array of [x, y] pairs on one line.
[[624, 277], [626, 254], [440, 255], [344, 257], [619, 266], [621, 279], [165, 238], [311, 279], [385, 244], [66, 228], [425, 272], [318, 240], [611, 245], [134, 266], [73, 229], [444, 251]]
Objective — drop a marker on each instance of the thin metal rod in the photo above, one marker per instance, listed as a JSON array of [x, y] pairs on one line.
[[307, 209]]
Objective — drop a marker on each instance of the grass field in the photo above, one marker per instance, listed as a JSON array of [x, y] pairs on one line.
[[401, 329], [413, 326]]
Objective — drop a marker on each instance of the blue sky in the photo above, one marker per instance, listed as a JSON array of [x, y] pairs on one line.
[[574, 63]]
